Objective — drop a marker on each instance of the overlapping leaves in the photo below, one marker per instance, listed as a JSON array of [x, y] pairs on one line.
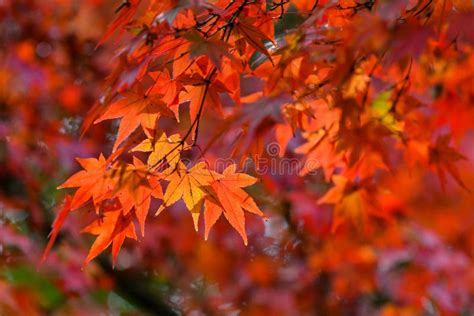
[[346, 96]]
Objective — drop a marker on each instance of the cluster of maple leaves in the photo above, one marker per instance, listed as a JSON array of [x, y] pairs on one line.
[[373, 98], [352, 92]]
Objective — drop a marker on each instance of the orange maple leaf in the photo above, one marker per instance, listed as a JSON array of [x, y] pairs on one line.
[[354, 202], [113, 228], [57, 224], [92, 182], [230, 199], [135, 190], [444, 158], [136, 108], [254, 37], [203, 95], [127, 11]]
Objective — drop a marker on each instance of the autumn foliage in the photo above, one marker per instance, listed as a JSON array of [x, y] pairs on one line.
[[333, 138]]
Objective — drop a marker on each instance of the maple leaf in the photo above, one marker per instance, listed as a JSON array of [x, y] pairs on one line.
[[444, 158], [135, 190], [135, 109], [182, 60], [188, 185], [254, 37], [354, 202], [163, 149], [57, 224], [203, 95], [92, 182], [283, 135], [113, 228], [319, 152], [127, 11], [254, 121], [364, 141], [168, 88], [320, 134], [213, 49], [230, 199]]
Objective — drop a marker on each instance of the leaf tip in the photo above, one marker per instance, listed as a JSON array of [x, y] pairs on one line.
[[160, 209], [196, 221]]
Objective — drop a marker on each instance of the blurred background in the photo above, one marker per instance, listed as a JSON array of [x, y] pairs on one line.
[[51, 74]]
